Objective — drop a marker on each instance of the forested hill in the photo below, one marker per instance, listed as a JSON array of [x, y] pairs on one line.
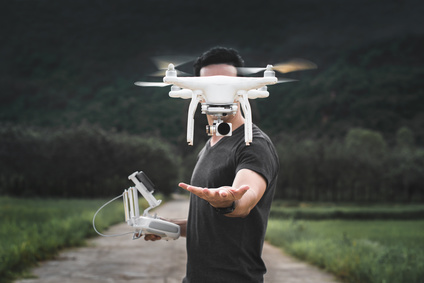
[[65, 62]]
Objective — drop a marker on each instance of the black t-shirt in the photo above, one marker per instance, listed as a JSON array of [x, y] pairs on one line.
[[221, 248]]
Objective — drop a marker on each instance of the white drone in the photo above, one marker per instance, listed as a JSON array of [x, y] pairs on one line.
[[219, 95]]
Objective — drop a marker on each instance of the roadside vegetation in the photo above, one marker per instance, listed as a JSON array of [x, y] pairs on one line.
[[84, 161], [33, 230], [355, 250], [90, 162], [361, 167]]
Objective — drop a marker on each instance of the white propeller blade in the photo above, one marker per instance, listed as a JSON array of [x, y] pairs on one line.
[[283, 80], [154, 84], [162, 62], [286, 67]]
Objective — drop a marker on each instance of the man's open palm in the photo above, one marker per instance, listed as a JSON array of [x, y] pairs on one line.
[[219, 197]]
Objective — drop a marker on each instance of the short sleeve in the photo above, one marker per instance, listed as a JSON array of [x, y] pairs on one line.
[[260, 156]]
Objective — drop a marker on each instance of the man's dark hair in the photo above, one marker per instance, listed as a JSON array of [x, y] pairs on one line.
[[218, 55]]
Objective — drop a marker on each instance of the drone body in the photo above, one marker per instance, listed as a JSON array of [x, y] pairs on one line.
[[219, 90], [221, 95]]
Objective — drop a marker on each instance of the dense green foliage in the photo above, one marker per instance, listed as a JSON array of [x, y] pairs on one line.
[[360, 167], [74, 63], [32, 230], [356, 251], [87, 161], [378, 87], [80, 162], [64, 63]]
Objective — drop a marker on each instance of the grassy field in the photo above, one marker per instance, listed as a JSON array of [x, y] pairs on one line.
[[36, 229], [322, 211], [356, 250]]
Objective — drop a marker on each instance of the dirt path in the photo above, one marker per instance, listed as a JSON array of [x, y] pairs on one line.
[[120, 259]]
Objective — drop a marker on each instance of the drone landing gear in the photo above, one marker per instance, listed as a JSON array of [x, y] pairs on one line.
[[247, 111]]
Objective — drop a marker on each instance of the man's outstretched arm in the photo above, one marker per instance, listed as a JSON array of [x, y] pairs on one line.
[[247, 189]]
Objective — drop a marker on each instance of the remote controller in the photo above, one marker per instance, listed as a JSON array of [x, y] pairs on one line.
[[146, 224]]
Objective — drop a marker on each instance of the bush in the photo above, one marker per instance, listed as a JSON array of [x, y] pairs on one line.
[[360, 168], [405, 137], [85, 161], [363, 141], [405, 173]]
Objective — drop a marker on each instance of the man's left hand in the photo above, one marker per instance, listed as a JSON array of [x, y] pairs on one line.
[[219, 197]]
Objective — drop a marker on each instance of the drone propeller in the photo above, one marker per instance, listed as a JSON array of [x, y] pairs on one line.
[[161, 73], [162, 63], [284, 80], [159, 84], [286, 67]]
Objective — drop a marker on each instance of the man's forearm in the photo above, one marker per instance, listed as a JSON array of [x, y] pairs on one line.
[[257, 187], [244, 205]]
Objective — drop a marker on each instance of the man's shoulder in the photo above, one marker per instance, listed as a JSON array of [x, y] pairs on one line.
[[261, 138], [257, 132]]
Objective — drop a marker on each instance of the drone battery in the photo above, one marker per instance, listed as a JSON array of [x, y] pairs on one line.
[[145, 181]]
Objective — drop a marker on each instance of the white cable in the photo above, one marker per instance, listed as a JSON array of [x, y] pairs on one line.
[[94, 218]]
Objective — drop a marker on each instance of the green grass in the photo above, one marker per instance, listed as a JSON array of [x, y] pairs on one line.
[[356, 251], [322, 211], [36, 229]]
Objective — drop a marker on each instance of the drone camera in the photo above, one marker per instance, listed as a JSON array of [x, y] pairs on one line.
[[223, 129], [220, 129]]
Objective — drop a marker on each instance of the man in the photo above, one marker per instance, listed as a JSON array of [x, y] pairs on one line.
[[232, 187]]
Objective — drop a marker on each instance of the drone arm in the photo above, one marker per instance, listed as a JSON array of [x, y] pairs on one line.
[[247, 111], [258, 93], [177, 92], [196, 98]]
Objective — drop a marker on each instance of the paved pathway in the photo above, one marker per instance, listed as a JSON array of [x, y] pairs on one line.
[[123, 260]]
